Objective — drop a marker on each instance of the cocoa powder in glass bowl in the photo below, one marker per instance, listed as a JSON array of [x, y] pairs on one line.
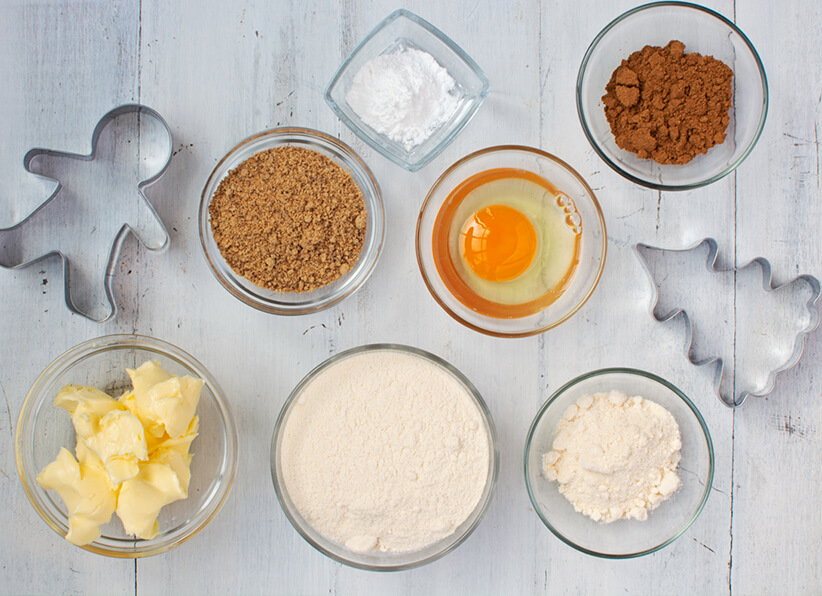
[[702, 31], [669, 106]]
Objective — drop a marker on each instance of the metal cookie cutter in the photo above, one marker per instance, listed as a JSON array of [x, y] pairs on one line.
[[760, 333], [98, 200]]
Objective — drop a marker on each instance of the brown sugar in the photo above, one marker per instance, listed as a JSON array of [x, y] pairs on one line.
[[289, 219], [669, 106]]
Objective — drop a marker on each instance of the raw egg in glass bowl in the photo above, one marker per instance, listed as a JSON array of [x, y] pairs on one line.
[[511, 241]]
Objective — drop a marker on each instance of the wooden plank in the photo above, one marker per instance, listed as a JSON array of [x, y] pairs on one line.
[[778, 441], [242, 69], [63, 66], [615, 327]]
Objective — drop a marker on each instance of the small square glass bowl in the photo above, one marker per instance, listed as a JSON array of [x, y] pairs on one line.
[[399, 31]]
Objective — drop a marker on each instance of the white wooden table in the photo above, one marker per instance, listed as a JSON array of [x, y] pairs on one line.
[[220, 71]]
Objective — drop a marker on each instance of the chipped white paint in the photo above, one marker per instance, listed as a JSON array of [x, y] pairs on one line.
[[220, 71]]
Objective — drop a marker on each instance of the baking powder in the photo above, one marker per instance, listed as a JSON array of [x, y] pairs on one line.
[[405, 95], [385, 451], [615, 456]]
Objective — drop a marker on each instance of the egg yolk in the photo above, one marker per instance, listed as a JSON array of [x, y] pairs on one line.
[[498, 243]]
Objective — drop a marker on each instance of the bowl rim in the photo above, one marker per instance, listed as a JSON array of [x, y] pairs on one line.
[[630, 372], [614, 165], [436, 150], [24, 452], [372, 195], [491, 481], [600, 218]]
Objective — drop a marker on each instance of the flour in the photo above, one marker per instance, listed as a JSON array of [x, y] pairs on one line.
[[385, 451], [615, 456], [405, 95]]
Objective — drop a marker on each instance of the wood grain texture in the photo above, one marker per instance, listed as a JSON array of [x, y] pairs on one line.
[[63, 66], [220, 71], [778, 440]]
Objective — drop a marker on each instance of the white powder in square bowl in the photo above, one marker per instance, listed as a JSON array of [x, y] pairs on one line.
[[385, 451], [404, 94]]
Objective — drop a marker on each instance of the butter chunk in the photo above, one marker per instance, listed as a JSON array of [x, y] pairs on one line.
[[86, 406], [147, 375], [172, 473], [86, 492], [85, 455], [104, 426], [166, 402], [174, 402], [182, 443], [143, 378], [132, 453], [162, 481], [129, 402], [120, 443], [138, 506]]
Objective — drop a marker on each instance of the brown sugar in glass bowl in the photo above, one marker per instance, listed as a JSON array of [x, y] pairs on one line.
[[291, 221], [704, 32], [288, 219]]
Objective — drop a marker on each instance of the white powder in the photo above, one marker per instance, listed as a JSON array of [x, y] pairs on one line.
[[405, 95], [615, 457], [385, 451]]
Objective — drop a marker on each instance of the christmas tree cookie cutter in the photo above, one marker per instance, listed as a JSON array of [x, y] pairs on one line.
[[761, 331], [98, 201]]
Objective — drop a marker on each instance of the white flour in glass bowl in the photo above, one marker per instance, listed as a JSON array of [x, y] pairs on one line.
[[614, 456], [385, 451]]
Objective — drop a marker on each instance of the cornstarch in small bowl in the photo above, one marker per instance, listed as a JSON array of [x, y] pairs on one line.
[[383, 451], [404, 94], [613, 474], [614, 456]]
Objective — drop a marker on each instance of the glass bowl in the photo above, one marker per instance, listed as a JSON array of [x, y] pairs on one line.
[[592, 247], [703, 31], [376, 560], [622, 539], [297, 303], [43, 428], [398, 31]]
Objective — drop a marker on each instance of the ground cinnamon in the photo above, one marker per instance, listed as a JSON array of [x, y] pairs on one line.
[[669, 106]]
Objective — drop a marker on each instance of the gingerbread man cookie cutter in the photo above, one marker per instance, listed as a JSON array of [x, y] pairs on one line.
[[97, 195]]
